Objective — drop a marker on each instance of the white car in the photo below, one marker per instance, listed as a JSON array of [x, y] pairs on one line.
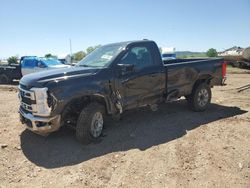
[[168, 53], [168, 56], [36, 64]]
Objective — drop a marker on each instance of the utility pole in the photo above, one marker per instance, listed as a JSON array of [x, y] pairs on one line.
[[70, 46]]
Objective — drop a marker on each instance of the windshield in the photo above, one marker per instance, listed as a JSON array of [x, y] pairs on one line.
[[51, 62], [102, 56]]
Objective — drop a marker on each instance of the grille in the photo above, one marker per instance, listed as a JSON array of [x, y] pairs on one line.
[[27, 98]]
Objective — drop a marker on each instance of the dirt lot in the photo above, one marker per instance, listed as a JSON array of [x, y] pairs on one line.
[[173, 147]]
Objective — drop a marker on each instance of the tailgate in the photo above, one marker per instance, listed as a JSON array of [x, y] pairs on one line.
[[219, 77]]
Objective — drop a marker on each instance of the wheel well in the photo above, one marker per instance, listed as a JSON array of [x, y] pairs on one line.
[[203, 79], [74, 107], [4, 76]]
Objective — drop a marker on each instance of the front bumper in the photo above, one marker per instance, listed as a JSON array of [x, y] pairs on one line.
[[40, 125]]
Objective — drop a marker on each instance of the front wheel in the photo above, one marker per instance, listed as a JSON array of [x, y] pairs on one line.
[[4, 79], [90, 123], [200, 98]]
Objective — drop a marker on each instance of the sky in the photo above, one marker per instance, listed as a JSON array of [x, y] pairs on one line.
[[37, 27]]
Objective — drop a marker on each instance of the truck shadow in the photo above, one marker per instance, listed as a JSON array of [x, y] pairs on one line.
[[139, 129]]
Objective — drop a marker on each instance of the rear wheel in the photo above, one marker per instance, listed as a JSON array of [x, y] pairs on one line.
[[90, 123], [4, 79], [200, 97]]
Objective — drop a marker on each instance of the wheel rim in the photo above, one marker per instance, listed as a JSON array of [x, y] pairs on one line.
[[203, 97], [96, 125]]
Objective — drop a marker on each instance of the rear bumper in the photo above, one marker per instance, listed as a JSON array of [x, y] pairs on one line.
[[40, 125]]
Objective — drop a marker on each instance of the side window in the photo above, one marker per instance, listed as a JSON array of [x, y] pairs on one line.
[[138, 56], [29, 63]]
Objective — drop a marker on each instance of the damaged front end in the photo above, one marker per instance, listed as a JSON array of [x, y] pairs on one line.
[[35, 109]]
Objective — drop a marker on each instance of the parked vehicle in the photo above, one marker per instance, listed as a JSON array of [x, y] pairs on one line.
[[112, 79], [241, 59], [64, 59], [168, 53], [27, 65], [31, 64], [245, 60], [9, 73]]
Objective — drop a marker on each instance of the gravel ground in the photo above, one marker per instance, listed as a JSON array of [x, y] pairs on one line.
[[173, 147]]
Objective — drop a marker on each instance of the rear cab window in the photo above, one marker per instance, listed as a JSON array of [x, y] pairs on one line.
[[29, 63]]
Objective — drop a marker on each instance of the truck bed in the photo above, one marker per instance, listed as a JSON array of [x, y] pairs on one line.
[[194, 60], [183, 73]]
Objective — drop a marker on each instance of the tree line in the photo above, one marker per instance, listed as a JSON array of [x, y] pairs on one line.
[[81, 54], [78, 55], [75, 56]]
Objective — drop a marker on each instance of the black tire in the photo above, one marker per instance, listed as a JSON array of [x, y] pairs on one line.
[[4, 79], [200, 98], [237, 64], [241, 65], [84, 123]]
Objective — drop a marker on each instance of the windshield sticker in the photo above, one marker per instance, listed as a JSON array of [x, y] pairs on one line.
[[108, 57]]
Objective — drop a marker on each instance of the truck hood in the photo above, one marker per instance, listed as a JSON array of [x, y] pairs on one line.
[[40, 78]]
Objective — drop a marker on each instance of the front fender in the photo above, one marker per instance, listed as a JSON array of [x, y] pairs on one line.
[[66, 93]]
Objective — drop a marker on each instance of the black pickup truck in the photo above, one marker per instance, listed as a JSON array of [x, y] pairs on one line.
[[11, 72], [8, 73], [112, 79]]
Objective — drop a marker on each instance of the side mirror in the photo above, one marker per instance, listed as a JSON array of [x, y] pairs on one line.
[[41, 64], [126, 68]]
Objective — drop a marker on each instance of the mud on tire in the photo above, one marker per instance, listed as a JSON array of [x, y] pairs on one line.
[[200, 97], [90, 123]]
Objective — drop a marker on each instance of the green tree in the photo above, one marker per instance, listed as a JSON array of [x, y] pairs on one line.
[[12, 60], [50, 56], [79, 55], [92, 48], [212, 52]]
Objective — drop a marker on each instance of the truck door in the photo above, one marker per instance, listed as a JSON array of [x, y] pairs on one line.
[[28, 66], [143, 84]]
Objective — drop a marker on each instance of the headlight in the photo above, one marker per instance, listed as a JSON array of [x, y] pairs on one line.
[[41, 108]]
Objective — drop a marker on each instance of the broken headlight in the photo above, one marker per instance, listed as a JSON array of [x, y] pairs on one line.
[[42, 106]]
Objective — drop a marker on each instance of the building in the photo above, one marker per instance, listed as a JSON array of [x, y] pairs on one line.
[[234, 51]]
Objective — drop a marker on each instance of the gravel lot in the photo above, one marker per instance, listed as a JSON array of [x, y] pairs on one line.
[[173, 147]]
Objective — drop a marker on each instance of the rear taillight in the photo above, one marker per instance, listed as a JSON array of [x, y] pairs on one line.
[[224, 69]]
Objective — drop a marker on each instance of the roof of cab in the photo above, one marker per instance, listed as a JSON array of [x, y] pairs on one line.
[[125, 43]]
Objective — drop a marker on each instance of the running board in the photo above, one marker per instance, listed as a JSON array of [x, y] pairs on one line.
[[172, 96]]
